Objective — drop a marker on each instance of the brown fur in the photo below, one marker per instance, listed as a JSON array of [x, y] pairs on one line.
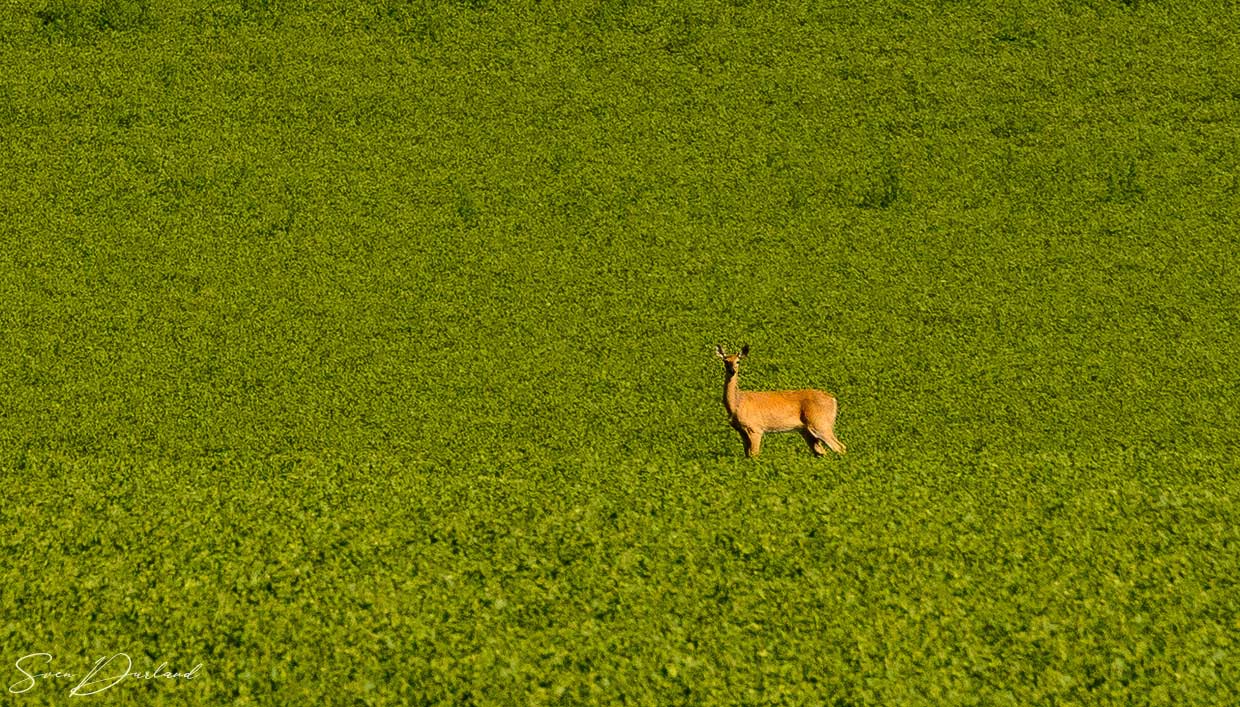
[[754, 413]]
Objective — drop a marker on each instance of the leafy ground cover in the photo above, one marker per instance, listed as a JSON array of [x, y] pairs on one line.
[[362, 353]]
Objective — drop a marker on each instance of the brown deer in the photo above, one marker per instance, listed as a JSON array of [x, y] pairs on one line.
[[754, 413]]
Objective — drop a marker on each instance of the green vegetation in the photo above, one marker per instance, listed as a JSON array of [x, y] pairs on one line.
[[363, 354]]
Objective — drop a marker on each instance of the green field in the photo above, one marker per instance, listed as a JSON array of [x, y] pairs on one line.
[[362, 353]]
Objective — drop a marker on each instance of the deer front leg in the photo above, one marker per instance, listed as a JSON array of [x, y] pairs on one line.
[[744, 440], [753, 442]]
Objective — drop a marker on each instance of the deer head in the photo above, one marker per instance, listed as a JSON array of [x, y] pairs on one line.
[[731, 362]]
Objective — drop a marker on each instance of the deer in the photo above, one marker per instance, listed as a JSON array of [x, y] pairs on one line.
[[753, 413]]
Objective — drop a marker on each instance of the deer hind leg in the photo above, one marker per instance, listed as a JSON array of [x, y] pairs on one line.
[[822, 426], [834, 443], [815, 444], [825, 433]]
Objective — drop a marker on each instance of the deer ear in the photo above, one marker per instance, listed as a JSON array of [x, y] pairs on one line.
[[719, 351], [744, 350]]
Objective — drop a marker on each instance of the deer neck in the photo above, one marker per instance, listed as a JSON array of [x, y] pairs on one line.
[[731, 393]]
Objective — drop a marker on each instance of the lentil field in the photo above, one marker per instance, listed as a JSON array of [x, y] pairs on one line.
[[362, 353]]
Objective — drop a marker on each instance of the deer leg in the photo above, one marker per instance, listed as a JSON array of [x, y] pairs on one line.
[[837, 445], [754, 442], [744, 441], [821, 423], [828, 437], [815, 445]]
